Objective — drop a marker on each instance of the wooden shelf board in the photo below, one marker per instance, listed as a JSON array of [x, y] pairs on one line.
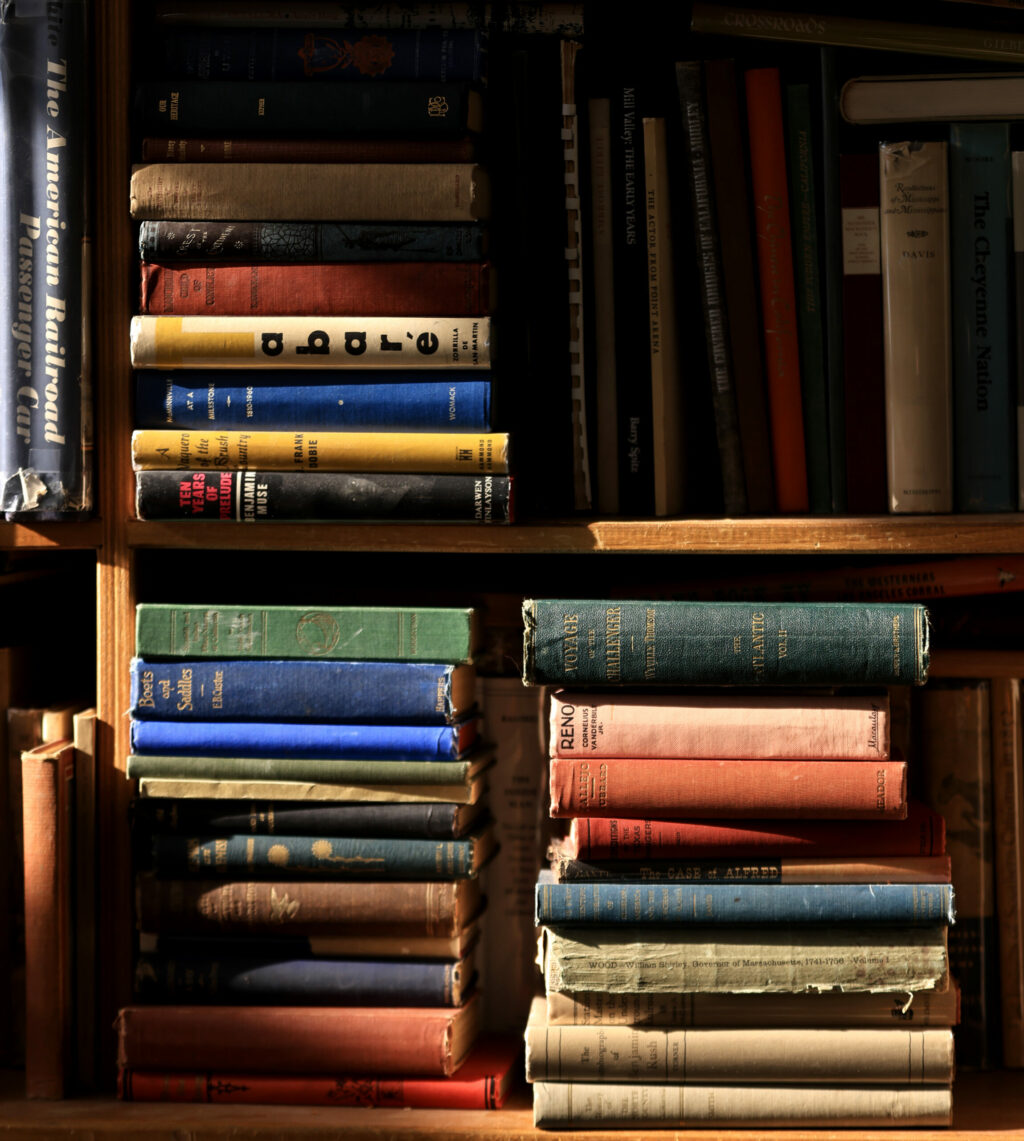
[[51, 536], [989, 1106], [868, 535]]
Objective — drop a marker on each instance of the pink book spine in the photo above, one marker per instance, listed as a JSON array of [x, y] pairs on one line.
[[634, 726], [841, 790]]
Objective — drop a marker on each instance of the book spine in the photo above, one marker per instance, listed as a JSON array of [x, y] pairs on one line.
[[271, 1089], [431, 110], [291, 1039], [985, 455], [46, 436], [303, 791], [849, 31], [286, 53], [604, 473], [667, 392], [318, 342], [1017, 173], [298, 739], [954, 738], [302, 908], [609, 1105], [268, 817], [839, 790], [442, 453], [1008, 859], [811, 1009], [626, 903], [771, 870], [723, 643], [918, 355], [328, 242], [217, 980], [739, 1057], [778, 298], [253, 400], [153, 148], [397, 289], [838, 728], [385, 633], [632, 357], [302, 689], [48, 820], [250, 497], [693, 113], [739, 278], [863, 354], [297, 769], [921, 833], [339, 857], [311, 191], [768, 960], [804, 184]]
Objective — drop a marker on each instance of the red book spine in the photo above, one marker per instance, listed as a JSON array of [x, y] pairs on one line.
[[921, 833], [370, 289], [297, 1039], [307, 150], [778, 295], [836, 790]]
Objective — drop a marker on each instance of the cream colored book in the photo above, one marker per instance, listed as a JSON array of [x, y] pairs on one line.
[[468, 793], [917, 326], [311, 192]]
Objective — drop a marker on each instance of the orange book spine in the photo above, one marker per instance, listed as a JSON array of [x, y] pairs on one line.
[[589, 724], [778, 294], [385, 289], [840, 790]]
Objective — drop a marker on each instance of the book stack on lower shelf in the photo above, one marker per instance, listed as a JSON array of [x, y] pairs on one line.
[[747, 922], [307, 897], [313, 339]]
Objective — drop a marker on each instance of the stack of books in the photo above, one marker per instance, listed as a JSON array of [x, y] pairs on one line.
[[747, 922], [314, 339], [309, 832]]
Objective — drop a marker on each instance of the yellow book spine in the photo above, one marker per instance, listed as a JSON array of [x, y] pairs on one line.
[[460, 453]]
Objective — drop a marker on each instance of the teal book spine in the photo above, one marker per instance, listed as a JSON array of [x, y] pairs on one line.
[[312, 770], [560, 904], [803, 192], [335, 857], [984, 396], [371, 633], [612, 642]]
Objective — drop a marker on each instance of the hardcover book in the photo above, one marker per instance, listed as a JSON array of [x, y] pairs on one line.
[[359, 149], [313, 792]]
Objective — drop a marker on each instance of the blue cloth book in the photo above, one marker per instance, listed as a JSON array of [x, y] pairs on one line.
[[308, 740], [435, 402], [300, 689], [560, 904]]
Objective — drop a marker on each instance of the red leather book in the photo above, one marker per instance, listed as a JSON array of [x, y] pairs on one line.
[[831, 790], [778, 296], [481, 1082], [921, 833], [386, 289], [373, 1040], [307, 150]]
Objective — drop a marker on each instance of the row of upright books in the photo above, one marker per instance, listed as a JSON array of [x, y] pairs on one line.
[[746, 923], [314, 331], [309, 833]]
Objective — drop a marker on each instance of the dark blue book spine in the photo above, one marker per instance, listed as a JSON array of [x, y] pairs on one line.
[[266, 496], [301, 690], [269, 739], [258, 818], [44, 98], [339, 857], [445, 54], [304, 401], [904, 904], [248, 242], [188, 979], [984, 403]]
